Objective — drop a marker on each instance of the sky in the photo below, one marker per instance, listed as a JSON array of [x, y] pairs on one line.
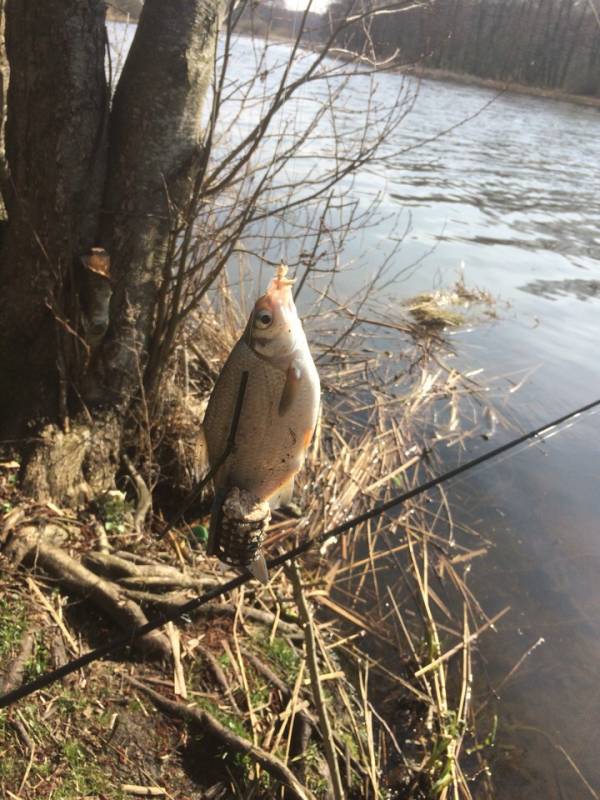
[[318, 6]]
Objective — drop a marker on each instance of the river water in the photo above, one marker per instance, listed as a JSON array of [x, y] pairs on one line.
[[514, 194]]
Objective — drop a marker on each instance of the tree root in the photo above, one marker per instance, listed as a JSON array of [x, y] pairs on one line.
[[144, 583], [263, 669], [304, 722], [29, 544], [110, 565], [308, 719], [288, 629], [161, 582], [218, 674], [169, 602], [140, 580], [198, 716], [14, 674], [144, 503], [126, 555]]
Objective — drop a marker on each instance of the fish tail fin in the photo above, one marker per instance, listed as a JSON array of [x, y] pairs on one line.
[[258, 569]]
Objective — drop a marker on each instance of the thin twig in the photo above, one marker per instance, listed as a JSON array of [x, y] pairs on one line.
[[315, 679]]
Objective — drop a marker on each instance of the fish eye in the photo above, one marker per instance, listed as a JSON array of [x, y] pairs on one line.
[[263, 319]]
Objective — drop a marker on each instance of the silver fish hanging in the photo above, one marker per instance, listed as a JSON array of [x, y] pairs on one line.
[[275, 428]]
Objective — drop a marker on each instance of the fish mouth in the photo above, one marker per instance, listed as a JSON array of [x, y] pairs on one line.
[[280, 288], [280, 292]]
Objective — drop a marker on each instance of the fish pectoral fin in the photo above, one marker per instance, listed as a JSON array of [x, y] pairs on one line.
[[290, 389], [286, 493], [283, 495]]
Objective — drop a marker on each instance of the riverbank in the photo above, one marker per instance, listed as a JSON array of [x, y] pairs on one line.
[[112, 15], [501, 86], [124, 11], [447, 76]]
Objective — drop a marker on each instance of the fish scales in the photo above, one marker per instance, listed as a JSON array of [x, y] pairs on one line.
[[269, 446]]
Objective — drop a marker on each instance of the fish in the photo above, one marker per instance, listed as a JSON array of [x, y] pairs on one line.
[[278, 417]]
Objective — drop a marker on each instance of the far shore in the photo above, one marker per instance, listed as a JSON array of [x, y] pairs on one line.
[[418, 71], [114, 15], [488, 83]]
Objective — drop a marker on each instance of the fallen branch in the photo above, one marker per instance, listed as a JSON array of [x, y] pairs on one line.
[[142, 791], [22, 733], [34, 588], [200, 717], [179, 685]]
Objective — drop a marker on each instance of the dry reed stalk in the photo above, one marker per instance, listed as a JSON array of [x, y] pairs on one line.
[[315, 678]]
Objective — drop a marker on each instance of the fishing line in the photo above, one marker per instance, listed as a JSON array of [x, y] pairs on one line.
[[127, 639]]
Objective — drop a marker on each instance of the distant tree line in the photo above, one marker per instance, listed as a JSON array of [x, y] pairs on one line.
[[546, 43], [553, 44], [124, 8]]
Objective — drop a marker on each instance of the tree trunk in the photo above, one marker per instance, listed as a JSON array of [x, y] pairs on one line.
[[82, 174], [57, 107], [3, 90], [155, 130]]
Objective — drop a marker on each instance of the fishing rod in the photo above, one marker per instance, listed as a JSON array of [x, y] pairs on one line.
[[120, 642]]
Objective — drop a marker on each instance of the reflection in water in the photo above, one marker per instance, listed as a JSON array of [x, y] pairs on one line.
[[552, 290]]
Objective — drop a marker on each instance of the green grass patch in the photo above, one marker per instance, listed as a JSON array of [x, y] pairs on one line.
[[284, 656], [229, 720], [84, 775], [13, 622]]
